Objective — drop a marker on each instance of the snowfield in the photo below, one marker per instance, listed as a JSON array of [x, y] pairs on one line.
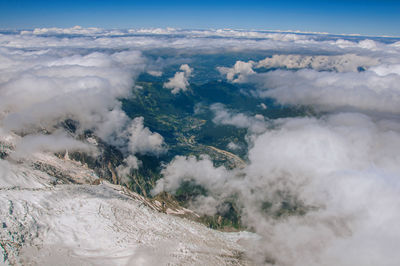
[[47, 221]]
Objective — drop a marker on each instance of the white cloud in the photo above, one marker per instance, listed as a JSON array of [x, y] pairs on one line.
[[344, 167], [133, 138], [187, 69], [41, 88], [365, 91], [74, 30], [187, 169], [142, 140], [167, 30], [223, 116], [155, 73], [386, 69], [240, 69], [340, 63], [263, 106], [131, 162], [44, 88], [325, 82], [179, 82], [213, 41], [56, 142], [233, 146]]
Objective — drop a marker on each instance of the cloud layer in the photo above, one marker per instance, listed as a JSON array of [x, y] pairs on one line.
[[336, 174], [318, 190], [42, 87], [327, 83], [343, 169]]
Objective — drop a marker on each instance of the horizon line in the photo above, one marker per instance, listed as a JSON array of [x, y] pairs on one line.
[[204, 29]]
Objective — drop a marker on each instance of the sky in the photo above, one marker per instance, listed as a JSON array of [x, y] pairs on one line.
[[367, 17]]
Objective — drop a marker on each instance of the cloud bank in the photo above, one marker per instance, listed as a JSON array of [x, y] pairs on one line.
[[339, 63], [41, 88], [326, 83], [342, 170]]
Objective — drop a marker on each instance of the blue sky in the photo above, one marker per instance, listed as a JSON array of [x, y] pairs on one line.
[[354, 16]]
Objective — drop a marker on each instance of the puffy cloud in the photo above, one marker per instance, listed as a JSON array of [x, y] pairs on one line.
[[233, 146], [341, 168], [179, 82], [318, 190], [187, 69], [386, 69], [374, 89], [142, 140], [44, 88], [263, 106], [340, 63], [41, 88], [236, 73], [133, 139], [159, 31], [255, 124], [188, 169], [327, 91], [74, 30], [155, 73]]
